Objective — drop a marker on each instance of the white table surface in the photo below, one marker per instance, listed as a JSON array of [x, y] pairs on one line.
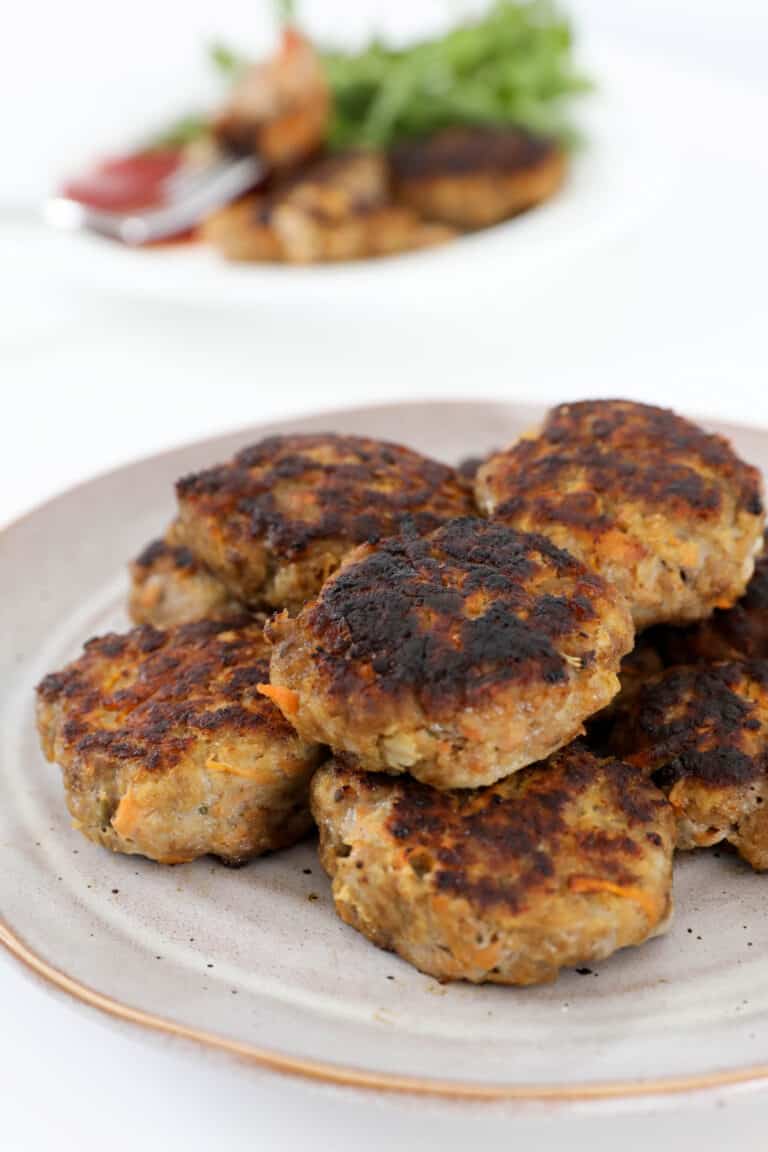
[[90, 379]]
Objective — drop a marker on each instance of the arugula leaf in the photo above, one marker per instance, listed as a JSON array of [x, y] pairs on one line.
[[225, 60], [511, 66], [286, 10]]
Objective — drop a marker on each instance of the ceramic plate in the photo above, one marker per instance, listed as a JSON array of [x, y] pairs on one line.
[[254, 961], [644, 129]]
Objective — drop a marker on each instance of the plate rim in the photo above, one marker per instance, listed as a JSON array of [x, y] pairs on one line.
[[321, 1071], [347, 1076]]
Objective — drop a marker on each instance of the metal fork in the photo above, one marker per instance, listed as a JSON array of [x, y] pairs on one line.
[[192, 194]]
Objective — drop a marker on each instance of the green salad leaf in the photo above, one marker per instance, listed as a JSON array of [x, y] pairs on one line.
[[511, 66], [285, 10], [226, 61]]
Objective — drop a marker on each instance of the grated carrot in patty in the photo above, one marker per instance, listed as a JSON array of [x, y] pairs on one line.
[[286, 699], [594, 884]]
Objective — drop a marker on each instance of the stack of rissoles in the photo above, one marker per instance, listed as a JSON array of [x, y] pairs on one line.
[[505, 696]]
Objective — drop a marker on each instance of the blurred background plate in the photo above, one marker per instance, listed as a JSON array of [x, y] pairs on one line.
[[655, 159], [625, 151]]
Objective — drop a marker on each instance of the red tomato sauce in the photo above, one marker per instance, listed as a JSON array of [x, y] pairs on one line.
[[126, 183]]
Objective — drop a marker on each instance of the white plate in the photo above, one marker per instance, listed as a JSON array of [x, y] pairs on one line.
[[248, 961], [655, 148]]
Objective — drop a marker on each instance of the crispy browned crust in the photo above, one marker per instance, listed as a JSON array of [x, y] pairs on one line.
[[734, 633], [557, 865], [275, 521], [424, 638], [666, 511], [453, 616], [170, 587], [473, 177], [701, 733], [148, 707], [241, 231], [161, 550], [147, 692]]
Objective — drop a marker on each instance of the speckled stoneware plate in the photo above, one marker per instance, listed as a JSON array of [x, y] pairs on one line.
[[254, 961]]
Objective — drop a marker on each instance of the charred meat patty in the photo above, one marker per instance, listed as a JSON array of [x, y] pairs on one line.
[[458, 657], [665, 511], [168, 750], [556, 866], [701, 734], [170, 587], [274, 522], [470, 177]]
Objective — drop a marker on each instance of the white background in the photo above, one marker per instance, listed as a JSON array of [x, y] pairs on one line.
[[91, 375]]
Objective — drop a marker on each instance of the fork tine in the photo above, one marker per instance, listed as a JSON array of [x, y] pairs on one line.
[[193, 201]]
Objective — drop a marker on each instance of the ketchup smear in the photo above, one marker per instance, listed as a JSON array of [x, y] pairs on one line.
[[126, 183]]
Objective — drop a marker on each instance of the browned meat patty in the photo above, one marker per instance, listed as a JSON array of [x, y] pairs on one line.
[[169, 587], [734, 633], [274, 522], [243, 231], [473, 177], [556, 866], [458, 657], [665, 511], [701, 733], [337, 208], [168, 750]]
